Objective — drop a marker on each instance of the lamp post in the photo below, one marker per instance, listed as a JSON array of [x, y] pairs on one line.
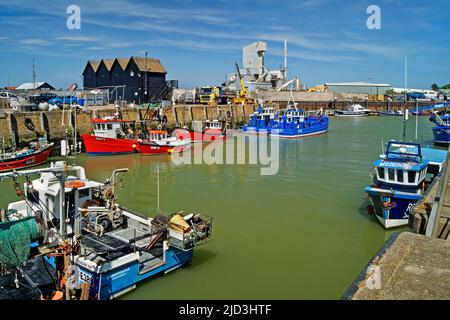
[[146, 92]]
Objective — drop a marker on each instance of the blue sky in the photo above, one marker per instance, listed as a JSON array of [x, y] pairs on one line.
[[198, 41]]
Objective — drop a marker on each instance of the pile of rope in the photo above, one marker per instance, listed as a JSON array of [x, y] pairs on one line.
[[15, 240]]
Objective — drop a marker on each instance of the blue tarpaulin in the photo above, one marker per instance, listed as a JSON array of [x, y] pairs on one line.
[[430, 107]]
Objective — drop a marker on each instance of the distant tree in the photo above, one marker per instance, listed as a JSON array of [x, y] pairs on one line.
[[434, 87], [446, 87], [390, 91]]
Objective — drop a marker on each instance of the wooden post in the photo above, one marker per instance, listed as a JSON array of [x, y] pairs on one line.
[[174, 110], [205, 110], [437, 216], [45, 126], [14, 132], [67, 275], [85, 287]]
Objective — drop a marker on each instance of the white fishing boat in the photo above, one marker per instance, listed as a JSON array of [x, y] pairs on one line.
[[354, 110]]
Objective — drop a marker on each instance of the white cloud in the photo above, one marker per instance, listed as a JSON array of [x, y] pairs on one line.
[[76, 38], [34, 42]]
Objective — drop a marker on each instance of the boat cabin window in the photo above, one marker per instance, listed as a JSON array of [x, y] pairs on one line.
[[381, 173], [109, 126], [33, 195], [391, 174], [411, 176], [84, 193], [399, 175]]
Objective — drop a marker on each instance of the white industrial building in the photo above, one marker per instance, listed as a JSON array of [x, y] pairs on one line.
[[358, 87], [254, 71]]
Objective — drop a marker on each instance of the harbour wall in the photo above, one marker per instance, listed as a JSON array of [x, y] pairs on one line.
[[19, 128]]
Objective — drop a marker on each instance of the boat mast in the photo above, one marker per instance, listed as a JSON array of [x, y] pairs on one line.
[[157, 191], [417, 115], [405, 118]]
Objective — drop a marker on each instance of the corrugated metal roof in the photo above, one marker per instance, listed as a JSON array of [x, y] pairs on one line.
[[30, 85], [357, 84], [153, 65]]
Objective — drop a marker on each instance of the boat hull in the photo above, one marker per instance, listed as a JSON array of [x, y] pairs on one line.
[[392, 208], [196, 137], [351, 114], [395, 114], [107, 146], [441, 134], [150, 148], [296, 133], [123, 278], [34, 159], [263, 130]]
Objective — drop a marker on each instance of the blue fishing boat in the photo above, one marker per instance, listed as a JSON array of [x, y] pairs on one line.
[[109, 248], [400, 178], [261, 121], [441, 130], [295, 124]]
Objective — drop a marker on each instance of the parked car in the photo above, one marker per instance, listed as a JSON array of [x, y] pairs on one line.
[[60, 101], [11, 97], [43, 97]]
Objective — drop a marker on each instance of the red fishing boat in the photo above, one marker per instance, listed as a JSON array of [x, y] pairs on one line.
[[212, 130], [36, 154], [111, 136], [159, 142]]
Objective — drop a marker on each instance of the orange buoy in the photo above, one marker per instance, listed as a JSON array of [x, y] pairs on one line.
[[59, 295], [75, 184]]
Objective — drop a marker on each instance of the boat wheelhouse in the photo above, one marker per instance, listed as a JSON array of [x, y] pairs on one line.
[[261, 121], [441, 129], [400, 178], [159, 142], [112, 248], [213, 130], [295, 124], [209, 130], [110, 136]]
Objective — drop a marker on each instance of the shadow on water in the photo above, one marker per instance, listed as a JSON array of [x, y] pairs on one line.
[[202, 257]]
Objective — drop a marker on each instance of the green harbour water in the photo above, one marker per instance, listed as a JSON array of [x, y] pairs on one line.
[[301, 234]]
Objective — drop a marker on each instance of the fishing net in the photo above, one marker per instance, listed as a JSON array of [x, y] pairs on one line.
[[15, 240]]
